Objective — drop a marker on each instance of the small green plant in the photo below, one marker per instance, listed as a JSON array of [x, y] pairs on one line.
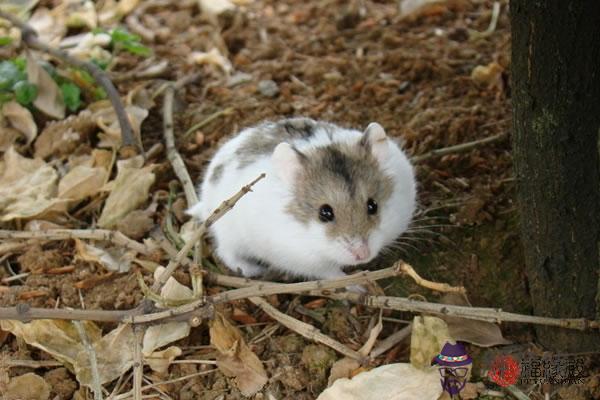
[[122, 40], [14, 83]]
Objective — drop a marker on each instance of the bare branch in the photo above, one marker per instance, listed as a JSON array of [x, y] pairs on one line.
[[459, 148], [30, 38], [114, 237], [304, 329]]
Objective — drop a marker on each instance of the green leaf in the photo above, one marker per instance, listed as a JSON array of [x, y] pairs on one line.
[[71, 95], [5, 97], [25, 92], [99, 93], [5, 40], [136, 48], [21, 63], [123, 40], [10, 74], [119, 35]]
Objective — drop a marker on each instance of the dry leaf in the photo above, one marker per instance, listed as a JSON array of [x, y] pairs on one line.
[[62, 137], [114, 353], [214, 8], [136, 224], [488, 75], [159, 361], [21, 119], [8, 135], [108, 122], [115, 259], [81, 182], [129, 190], [388, 382], [235, 359], [160, 335], [80, 14], [27, 188], [57, 337], [49, 25], [213, 57], [27, 387], [112, 11], [429, 334], [49, 99]]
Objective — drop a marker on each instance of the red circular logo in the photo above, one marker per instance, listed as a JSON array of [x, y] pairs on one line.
[[504, 371]]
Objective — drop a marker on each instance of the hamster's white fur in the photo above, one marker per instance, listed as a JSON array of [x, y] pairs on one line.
[[260, 228]]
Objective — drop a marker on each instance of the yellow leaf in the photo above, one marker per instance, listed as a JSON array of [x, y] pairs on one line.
[[29, 386], [81, 182]]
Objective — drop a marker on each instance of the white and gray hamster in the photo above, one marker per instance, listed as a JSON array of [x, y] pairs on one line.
[[332, 197]]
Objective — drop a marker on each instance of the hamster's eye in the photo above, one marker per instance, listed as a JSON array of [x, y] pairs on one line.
[[326, 213], [371, 207]]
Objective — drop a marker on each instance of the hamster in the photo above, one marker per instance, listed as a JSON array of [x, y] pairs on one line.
[[332, 197]]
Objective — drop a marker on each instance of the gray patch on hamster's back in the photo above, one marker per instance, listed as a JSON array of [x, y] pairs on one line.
[[268, 135], [216, 174], [343, 176]]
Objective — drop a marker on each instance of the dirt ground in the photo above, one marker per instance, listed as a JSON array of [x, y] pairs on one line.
[[350, 63]]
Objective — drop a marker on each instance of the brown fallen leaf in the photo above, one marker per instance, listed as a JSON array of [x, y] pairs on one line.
[[49, 25], [27, 387], [21, 119], [317, 303], [62, 137], [49, 99], [107, 120], [57, 337], [129, 190], [235, 359], [159, 361], [136, 224], [27, 187], [113, 258], [81, 182]]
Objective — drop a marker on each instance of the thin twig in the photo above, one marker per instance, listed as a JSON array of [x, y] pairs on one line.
[[459, 148], [207, 120], [391, 341], [114, 237], [85, 340], [30, 363], [304, 329], [172, 153], [197, 235], [30, 38], [138, 363]]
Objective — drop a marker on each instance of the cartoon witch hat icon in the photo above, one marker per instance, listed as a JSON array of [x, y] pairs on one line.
[[453, 362]]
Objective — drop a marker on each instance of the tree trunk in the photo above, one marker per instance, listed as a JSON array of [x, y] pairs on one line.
[[556, 147]]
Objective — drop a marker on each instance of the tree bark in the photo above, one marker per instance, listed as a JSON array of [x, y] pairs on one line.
[[556, 147]]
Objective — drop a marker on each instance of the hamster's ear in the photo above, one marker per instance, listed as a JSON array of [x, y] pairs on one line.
[[286, 162], [375, 139]]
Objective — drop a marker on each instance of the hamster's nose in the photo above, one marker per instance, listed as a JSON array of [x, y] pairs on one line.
[[360, 251]]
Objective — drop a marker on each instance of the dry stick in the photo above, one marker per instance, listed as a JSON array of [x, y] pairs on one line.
[[138, 363], [203, 308], [390, 341], [459, 148], [30, 363], [197, 235], [304, 329], [29, 36], [172, 153], [85, 340], [114, 237]]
